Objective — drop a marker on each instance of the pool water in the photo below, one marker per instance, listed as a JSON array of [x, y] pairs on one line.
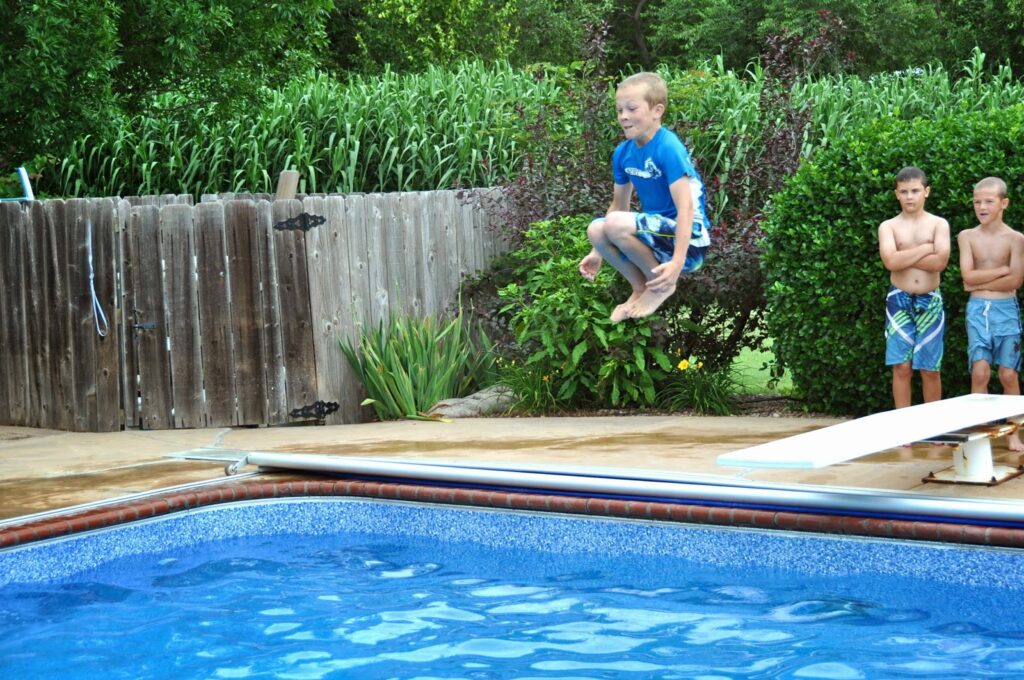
[[438, 596]]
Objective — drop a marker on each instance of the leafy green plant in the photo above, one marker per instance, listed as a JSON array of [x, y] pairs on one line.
[[533, 389], [703, 389], [826, 285], [562, 327], [411, 364]]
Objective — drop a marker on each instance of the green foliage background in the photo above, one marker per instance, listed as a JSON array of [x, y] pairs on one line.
[[881, 35], [106, 98], [562, 329], [72, 69], [826, 285]]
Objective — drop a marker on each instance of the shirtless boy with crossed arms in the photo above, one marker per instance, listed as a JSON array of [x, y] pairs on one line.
[[992, 267], [914, 247]]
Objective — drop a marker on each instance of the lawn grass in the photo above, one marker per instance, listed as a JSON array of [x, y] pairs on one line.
[[752, 374]]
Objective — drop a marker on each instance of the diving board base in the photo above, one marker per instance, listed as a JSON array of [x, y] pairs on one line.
[[972, 457], [950, 475]]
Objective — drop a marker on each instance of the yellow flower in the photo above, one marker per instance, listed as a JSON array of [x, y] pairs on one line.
[[545, 378], [683, 365], [700, 364]]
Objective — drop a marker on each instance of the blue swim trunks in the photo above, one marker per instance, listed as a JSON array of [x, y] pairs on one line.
[[659, 234], [914, 329], [993, 332]]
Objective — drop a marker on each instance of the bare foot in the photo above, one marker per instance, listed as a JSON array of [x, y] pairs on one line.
[[649, 302], [1013, 442], [621, 312]]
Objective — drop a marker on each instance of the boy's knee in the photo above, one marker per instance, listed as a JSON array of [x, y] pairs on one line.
[[595, 231], [902, 371], [620, 219], [1007, 376], [981, 371]]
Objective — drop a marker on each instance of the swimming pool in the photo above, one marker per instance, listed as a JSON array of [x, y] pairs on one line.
[[317, 588]]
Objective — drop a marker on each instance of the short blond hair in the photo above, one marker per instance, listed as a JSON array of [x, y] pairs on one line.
[[996, 183], [655, 89]]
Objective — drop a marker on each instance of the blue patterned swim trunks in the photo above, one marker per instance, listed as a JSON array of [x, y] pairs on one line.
[[914, 329], [993, 332], [659, 234]]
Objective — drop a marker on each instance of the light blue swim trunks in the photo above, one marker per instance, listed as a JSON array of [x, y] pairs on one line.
[[658, 233], [914, 329], [993, 332]]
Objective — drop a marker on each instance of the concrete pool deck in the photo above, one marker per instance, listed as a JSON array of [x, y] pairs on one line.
[[46, 470]]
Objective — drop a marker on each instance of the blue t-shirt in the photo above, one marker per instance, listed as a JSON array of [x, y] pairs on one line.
[[651, 168]]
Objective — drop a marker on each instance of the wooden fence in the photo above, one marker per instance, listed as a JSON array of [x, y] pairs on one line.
[[224, 313]]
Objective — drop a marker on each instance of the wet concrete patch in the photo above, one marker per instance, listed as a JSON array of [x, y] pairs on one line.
[[12, 436], [582, 443], [39, 494]]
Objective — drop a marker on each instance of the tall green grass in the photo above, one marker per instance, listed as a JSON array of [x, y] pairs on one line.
[[467, 127], [433, 130]]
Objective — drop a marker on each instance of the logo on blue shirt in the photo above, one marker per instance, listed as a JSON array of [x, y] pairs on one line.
[[649, 171]]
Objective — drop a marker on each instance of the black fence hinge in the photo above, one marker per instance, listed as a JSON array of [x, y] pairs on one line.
[[303, 221], [316, 412]]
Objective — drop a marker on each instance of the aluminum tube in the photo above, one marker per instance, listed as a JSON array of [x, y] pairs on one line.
[[26, 185], [858, 501]]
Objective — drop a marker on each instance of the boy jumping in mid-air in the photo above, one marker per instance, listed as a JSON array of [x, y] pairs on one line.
[[645, 247], [992, 267], [914, 247]]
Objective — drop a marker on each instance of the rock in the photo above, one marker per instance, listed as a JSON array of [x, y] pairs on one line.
[[482, 403]]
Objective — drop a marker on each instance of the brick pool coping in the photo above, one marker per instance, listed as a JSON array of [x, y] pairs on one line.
[[159, 504]]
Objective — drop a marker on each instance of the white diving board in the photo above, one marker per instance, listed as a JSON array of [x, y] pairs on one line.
[[969, 422]]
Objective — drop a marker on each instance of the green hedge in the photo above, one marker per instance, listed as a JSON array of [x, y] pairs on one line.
[[825, 282]]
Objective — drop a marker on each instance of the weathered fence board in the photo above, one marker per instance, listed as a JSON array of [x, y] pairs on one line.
[[292, 302], [332, 304], [448, 251], [468, 253], [177, 247], [426, 271], [358, 263], [215, 317], [108, 372], [124, 317], [13, 358], [376, 257], [80, 351], [272, 334], [148, 321], [392, 252], [247, 329], [61, 347], [38, 278]]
